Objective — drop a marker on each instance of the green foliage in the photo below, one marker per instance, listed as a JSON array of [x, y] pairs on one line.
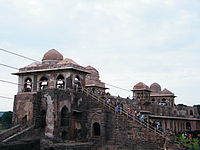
[[190, 144], [6, 119], [182, 105], [198, 107]]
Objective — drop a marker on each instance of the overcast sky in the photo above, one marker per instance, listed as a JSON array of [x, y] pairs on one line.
[[127, 41]]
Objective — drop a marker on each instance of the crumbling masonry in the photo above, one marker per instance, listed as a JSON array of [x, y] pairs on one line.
[[61, 105]]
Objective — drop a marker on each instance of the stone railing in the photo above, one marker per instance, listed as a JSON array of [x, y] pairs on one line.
[[124, 112], [9, 132]]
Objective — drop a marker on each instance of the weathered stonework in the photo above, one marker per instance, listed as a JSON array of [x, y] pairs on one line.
[[56, 113]]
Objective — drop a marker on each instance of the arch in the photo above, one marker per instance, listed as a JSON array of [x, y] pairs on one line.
[[188, 126], [24, 120], [43, 83], [153, 100], [28, 85], [43, 118], [76, 78], [77, 83], [64, 135], [191, 113], [96, 129], [64, 116], [60, 83]]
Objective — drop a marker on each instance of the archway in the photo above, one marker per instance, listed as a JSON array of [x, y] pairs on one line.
[[188, 126], [60, 82], [43, 83], [191, 113], [64, 117], [43, 118], [28, 85], [64, 135], [77, 83], [96, 129]]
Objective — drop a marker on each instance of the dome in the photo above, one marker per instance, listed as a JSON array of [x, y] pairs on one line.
[[141, 86], [67, 61], [166, 91], [52, 55], [155, 87], [91, 69]]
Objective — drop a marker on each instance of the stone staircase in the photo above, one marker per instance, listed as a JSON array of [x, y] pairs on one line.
[[138, 131], [14, 132], [19, 133]]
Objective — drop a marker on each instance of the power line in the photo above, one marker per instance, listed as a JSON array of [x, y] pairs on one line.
[[118, 87], [10, 82], [38, 61], [86, 77], [19, 55], [9, 66], [6, 97]]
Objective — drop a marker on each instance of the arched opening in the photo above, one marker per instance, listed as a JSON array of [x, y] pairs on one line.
[[64, 117], [153, 100], [163, 102], [64, 135], [43, 118], [188, 126], [43, 83], [28, 85], [60, 84], [96, 129], [191, 113], [77, 83], [24, 121]]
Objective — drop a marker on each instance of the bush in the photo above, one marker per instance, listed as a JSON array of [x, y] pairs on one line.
[[6, 119]]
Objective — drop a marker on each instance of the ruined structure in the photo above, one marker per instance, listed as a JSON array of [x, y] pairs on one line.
[[160, 106], [61, 105]]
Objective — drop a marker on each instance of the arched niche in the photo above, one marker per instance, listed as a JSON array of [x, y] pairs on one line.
[[96, 129], [43, 83], [64, 116], [28, 85], [60, 82]]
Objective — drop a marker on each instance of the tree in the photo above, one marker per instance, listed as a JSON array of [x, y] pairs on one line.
[[182, 105], [6, 119]]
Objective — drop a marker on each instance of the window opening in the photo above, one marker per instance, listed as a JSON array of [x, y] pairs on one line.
[[43, 83], [28, 85], [60, 82], [96, 129], [191, 112], [64, 116]]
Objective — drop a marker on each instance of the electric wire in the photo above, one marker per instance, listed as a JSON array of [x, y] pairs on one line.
[[19, 55], [11, 82], [9, 66], [5, 97], [86, 77]]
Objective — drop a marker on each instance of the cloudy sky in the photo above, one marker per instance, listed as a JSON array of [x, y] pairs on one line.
[[127, 41]]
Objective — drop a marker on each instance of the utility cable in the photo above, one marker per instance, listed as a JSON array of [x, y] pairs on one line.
[[118, 87], [39, 61], [19, 55], [10, 82], [6, 97], [9, 66]]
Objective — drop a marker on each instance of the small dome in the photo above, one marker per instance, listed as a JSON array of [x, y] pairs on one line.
[[155, 87], [52, 55], [141, 86], [67, 61], [166, 91], [91, 69]]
